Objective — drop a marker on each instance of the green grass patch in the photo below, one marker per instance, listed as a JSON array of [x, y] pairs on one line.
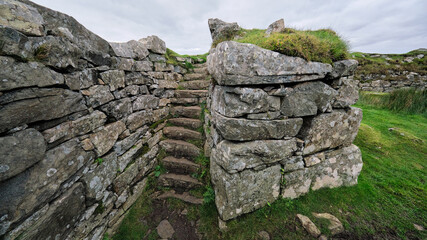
[[388, 200], [408, 100], [322, 45], [171, 58]]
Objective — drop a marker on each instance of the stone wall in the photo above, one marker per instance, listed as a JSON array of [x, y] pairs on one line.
[[395, 80], [77, 138], [279, 126]]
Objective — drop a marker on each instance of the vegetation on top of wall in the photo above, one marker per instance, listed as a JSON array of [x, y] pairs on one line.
[[407, 100], [387, 64], [171, 58], [322, 45]]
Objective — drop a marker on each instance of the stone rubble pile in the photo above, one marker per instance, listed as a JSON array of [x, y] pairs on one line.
[[279, 126]]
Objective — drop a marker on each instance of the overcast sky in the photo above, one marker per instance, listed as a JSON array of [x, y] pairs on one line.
[[382, 26]]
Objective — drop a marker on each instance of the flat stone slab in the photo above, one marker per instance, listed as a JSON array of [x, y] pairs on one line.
[[165, 229], [232, 63]]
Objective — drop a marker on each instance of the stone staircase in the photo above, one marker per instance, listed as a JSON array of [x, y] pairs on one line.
[[183, 139]]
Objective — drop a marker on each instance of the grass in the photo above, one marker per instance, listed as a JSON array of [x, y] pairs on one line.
[[322, 45], [407, 100], [171, 58]]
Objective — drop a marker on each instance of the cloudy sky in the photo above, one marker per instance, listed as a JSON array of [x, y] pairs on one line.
[[382, 26]]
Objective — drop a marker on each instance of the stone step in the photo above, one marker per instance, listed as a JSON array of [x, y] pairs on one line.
[[202, 70], [181, 133], [187, 101], [200, 65], [179, 165], [195, 84], [186, 122], [178, 181], [185, 196], [191, 93], [190, 112], [194, 76], [179, 148]]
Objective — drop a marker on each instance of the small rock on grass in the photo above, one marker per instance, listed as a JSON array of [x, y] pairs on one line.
[[322, 237], [335, 225], [419, 227], [222, 225], [263, 235], [309, 226], [165, 229]]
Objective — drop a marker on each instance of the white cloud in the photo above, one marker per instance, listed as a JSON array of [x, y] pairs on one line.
[[385, 26]]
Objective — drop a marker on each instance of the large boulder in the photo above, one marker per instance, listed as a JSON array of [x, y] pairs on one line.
[[235, 157], [307, 99], [330, 130], [131, 49], [20, 151], [232, 63], [244, 192], [154, 44], [343, 68], [240, 129], [348, 93], [276, 27], [221, 30]]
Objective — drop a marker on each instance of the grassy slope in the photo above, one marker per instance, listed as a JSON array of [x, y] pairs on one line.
[[390, 197]]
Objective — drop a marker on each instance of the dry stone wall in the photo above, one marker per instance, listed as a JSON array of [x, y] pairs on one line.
[[397, 80], [76, 141], [279, 126]]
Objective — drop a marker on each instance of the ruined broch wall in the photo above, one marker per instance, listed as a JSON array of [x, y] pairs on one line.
[[75, 116], [279, 126]]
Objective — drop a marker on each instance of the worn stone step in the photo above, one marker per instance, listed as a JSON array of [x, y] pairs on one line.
[[179, 148], [202, 70], [181, 133], [193, 76], [191, 93], [195, 84], [185, 196], [179, 181], [187, 101], [190, 112], [186, 122], [200, 65], [179, 165]]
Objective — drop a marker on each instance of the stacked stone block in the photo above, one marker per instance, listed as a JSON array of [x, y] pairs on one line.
[[279, 126], [76, 144]]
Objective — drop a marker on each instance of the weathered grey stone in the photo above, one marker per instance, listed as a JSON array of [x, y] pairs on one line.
[[235, 102], [156, 57], [296, 183], [330, 130], [292, 163], [131, 49], [118, 109], [131, 90], [163, 93], [221, 30], [125, 64], [138, 119], [243, 192], [81, 80], [165, 229], [114, 78], [232, 63], [181, 133], [137, 78], [57, 52], [70, 129], [142, 66], [50, 104], [17, 75], [314, 159], [307, 99], [104, 139], [98, 95], [168, 84], [343, 68], [178, 148], [14, 43], [240, 129], [22, 194], [340, 168], [335, 225], [122, 146], [154, 44], [309, 226], [348, 93], [264, 116], [63, 213], [145, 102], [20, 151], [235, 157], [276, 27], [21, 17], [163, 67], [173, 76], [99, 177]]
